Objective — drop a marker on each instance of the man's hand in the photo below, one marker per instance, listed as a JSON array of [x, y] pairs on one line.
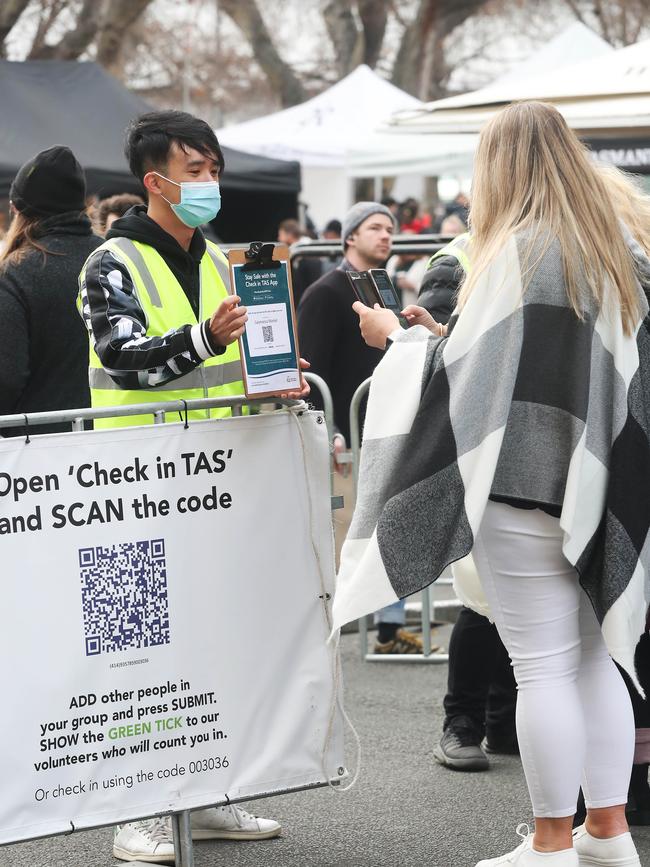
[[376, 324], [304, 385], [415, 315], [228, 321]]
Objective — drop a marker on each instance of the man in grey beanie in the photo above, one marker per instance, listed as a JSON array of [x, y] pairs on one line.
[[328, 328], [357, 215]]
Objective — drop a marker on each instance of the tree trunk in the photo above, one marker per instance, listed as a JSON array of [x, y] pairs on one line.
[[344, 35], [281, 77], [119, 15], [374, 17], [10, 12], [407, 68], [420, 67]]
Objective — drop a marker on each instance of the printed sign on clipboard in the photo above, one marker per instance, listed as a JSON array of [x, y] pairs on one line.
[[261, 276]]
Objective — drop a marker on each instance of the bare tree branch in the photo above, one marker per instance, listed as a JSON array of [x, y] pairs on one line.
[[574, 6], [48, 14], [73, 43], [10, 12], [397, 13], [620, 21], [281, 77]]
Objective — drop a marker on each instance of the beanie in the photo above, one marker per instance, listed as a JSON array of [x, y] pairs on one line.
[[360, 212], [50, 183]]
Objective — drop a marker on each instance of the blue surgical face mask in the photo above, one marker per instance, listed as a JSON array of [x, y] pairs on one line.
[[200, 201]]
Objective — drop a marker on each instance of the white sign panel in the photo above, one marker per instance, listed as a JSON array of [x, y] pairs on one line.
[[163, 634]]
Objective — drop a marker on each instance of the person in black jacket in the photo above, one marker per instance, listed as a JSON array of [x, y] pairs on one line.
[[43, 344], [481, 691]]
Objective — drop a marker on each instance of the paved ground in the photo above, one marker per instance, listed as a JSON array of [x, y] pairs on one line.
[[405, 809]]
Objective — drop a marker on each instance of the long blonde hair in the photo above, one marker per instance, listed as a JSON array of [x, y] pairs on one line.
[[532, 174], [631, 204]]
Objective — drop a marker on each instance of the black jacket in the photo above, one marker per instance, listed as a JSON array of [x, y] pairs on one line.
[[43, 344], [329, 337], [439, 288]]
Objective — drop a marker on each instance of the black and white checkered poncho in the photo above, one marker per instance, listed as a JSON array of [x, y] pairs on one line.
[[523, 400]]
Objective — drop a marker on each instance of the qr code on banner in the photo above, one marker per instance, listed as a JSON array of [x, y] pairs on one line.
[[124, 596], [267, 333]]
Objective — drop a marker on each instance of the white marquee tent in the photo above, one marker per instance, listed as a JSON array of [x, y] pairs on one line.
[[319, 132], [400, 145]]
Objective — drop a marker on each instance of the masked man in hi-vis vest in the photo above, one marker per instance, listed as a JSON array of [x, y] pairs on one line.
[[163, 327]]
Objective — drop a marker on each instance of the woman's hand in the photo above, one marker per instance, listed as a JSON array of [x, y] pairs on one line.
[[415, 315], [376, 324]]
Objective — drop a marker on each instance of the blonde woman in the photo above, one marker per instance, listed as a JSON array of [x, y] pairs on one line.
[[527, 442]]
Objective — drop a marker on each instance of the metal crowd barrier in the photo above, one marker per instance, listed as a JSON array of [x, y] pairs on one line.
[[75, 418], [428, 604], [328, 411], [409, 244]]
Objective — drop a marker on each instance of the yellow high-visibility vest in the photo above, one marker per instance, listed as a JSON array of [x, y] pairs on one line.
[[167, 308], [458, 248]]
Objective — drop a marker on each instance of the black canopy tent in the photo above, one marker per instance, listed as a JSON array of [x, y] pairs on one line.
[[79, 104]]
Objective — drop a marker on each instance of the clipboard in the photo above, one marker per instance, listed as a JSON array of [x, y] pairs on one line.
[[270, 356]]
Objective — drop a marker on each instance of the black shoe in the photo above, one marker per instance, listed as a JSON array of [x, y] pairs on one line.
[[501, 746], [460, 748], [637, 817]]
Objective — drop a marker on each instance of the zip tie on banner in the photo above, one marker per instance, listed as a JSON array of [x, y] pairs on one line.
[[336, 666], [186, 425], [27, 439], [72, 829]]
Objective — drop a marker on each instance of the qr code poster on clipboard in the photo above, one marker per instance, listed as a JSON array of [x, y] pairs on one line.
[[269, 346]]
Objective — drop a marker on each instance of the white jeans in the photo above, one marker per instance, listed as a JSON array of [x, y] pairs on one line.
[[574, 716]]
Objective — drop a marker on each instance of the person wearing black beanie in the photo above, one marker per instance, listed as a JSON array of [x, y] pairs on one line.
[[50, 183], [43, 344]]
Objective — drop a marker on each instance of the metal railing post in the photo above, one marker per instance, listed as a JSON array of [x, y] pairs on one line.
[[355, 445], [182, 831], [328, 412], [328, 403], [426, 621]]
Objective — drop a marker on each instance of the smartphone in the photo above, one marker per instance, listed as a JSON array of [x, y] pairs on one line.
[[375, 287], [387, 292], [364, 288]]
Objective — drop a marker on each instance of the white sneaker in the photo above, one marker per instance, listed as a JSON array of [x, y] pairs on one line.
[[613, 852], [231, 823], [525, 856], [150, 840]]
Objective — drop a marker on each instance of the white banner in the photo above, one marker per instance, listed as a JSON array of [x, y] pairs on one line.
[[163, 632]]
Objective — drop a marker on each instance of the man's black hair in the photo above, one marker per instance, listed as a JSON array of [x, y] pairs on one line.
[[150, 137]]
